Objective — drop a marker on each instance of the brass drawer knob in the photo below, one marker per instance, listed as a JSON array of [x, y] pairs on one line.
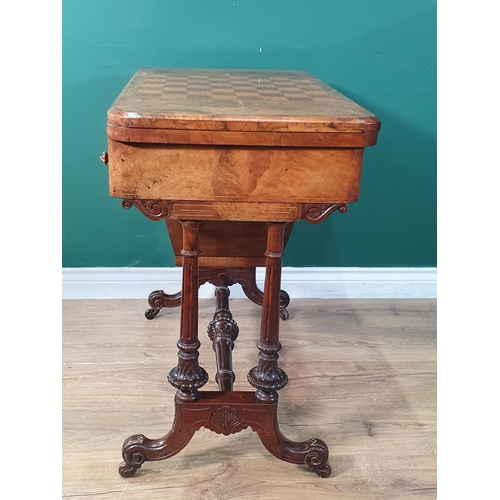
[[104, 158]]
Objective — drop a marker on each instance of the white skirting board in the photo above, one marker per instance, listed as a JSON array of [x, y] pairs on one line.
[[299, 282]]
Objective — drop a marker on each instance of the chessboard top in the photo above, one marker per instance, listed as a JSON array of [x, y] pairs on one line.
[[236, 100]]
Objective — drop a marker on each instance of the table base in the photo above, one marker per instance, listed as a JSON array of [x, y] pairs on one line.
[[224, 413]]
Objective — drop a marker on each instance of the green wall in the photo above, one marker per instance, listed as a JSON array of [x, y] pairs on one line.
[[380, 54]]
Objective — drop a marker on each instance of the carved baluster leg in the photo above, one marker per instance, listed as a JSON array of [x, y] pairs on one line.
[[267, 378], [188, 376], [223, 331]]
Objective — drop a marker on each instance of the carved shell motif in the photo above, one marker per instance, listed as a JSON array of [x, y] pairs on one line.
[[226, 421]]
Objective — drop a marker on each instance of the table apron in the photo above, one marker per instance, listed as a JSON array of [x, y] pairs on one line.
[[235, 174]]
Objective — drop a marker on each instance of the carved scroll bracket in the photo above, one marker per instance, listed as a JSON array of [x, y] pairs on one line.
[[152, 209], [315, 213]]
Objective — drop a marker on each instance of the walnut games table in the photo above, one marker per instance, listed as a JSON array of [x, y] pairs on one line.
[[230, 160]]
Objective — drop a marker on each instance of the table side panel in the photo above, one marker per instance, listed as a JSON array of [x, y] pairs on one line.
[[234, 174]]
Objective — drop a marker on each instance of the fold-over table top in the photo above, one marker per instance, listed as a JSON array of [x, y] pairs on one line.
[[237, 100]]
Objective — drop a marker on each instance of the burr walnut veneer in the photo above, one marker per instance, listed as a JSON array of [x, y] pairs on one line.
[[230, 160]]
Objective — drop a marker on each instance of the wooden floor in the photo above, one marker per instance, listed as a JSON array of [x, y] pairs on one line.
[[362, 377]]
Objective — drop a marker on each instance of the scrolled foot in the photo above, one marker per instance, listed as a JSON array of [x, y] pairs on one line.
[[151, 313], [158, 300], [325, 471], [313, 452], [284, 315], [284, 301], [317, 456], [134, 454]]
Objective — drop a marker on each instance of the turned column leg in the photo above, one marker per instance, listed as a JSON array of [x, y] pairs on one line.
[[267, 378], [188, 376], [223, 331]]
